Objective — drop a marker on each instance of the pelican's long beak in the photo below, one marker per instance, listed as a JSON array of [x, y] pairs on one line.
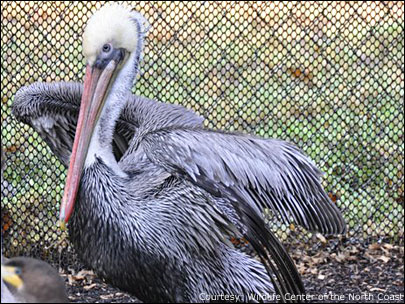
[[97, 82], [9, 275]]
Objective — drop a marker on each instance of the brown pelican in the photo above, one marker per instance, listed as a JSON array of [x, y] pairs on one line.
[[153, 198], [6, 295], [33, 281]]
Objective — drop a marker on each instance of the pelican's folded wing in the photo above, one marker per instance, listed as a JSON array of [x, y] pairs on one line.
[[52, 110]]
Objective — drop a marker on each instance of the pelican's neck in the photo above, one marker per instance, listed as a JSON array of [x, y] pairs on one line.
[[101, 140]]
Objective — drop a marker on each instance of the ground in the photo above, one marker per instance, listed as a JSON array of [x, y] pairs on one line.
[[355, 273], [332, 271]]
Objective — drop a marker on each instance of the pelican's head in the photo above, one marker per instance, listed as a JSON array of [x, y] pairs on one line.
[[33, 281], [113, 28], [112, 45], [12, 276]]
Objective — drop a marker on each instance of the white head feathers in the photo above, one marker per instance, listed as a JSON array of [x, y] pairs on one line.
[[113, 24]]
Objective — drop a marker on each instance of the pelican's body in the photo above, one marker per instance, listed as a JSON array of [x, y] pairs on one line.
[[155, 246], [154, 197]]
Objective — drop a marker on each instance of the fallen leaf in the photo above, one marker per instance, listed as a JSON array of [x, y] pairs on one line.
[[388, 246], [321, 238], [107, 297], [341, 257], [377, 289], [374, 246], [383, 258], [91, 286], [313, 271]]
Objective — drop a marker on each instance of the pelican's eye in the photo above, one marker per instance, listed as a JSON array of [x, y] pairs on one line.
[[106, 48], [17, 271]]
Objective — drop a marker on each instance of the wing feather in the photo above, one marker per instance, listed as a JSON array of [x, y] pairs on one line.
[[267, 173]]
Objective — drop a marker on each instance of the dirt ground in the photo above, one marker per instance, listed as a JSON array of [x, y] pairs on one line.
[[353, 273], [333, 272]]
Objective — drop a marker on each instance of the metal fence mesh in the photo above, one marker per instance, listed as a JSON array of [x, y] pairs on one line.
[[327, 76]]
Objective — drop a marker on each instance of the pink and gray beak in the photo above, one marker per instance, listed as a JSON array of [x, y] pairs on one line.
[[97, 82]]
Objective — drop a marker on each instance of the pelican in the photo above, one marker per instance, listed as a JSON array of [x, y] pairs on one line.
[[6, 295], [33, 281], [153, 198]]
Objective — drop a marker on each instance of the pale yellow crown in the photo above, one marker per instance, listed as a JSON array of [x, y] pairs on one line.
[[111, 24]]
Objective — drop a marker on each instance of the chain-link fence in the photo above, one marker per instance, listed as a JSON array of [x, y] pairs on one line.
[[327, 76]]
